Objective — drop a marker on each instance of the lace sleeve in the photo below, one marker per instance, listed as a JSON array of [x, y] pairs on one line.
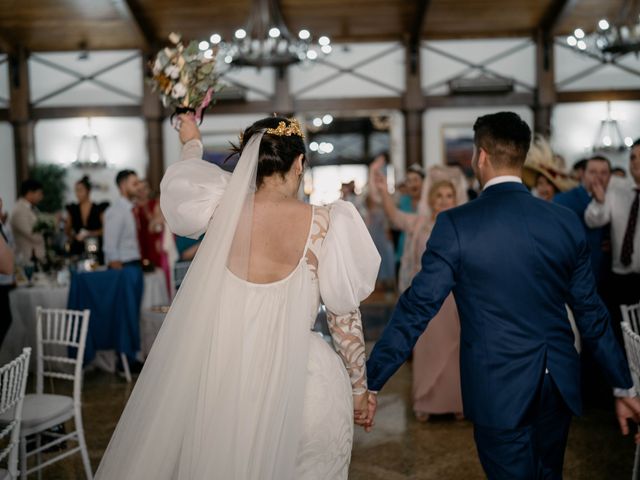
[[348, 340]]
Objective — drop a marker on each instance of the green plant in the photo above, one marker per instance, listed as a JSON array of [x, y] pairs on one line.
[[54, 187]]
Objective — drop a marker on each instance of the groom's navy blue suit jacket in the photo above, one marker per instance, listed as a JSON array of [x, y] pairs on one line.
[[513, 262]]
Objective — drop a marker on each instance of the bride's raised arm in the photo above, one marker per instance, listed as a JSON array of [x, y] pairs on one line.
[[192, 188]]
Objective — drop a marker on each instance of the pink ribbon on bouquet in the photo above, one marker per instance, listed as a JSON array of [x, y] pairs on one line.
[[205, 103]]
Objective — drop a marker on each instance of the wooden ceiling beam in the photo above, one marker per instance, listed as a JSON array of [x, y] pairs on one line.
[[131, 10], [5, 45], [557, 11], [418, 22], [42, 113], [597, 95]]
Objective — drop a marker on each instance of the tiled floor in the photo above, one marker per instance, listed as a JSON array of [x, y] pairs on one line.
[[398, 448]]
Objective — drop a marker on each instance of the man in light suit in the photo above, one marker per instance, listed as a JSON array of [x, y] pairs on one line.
[[512, 262], [24, 217]]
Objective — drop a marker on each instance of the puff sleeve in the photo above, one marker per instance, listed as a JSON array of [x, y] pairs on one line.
[[349, 260], [190, 191]]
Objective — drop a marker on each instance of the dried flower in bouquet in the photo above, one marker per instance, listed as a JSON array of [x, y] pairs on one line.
[[185, 77]]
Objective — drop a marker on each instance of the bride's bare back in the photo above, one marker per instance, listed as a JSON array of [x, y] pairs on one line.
[[279, 236]]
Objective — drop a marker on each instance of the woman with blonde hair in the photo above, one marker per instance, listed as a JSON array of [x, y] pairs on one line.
[[436, 367]]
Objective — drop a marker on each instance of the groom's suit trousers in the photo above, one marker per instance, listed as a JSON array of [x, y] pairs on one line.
[[534, 450]]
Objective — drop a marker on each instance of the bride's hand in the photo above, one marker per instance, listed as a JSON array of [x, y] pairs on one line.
[[188, 128], [360, 409]]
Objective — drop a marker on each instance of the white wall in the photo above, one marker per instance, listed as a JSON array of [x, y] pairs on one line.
[[575, 125], [122, 140], [8, 190], [435, 119]]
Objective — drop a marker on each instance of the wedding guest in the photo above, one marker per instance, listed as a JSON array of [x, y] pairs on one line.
[[597, 171], [436, 367], [577, 171], [187, 249], [618, 204], [7, 280], [409, 202], [84, 219], [378, 226], [619, 172], [150, 223], [541, 172], [121, 247], [24, 217]]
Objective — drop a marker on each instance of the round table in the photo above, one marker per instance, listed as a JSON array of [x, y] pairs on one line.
[[23, 302]]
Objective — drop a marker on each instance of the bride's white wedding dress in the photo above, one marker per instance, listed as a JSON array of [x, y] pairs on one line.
[[237, 386]]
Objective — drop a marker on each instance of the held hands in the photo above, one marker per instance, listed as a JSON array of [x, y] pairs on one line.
[[628, 408], [365, 406], [188, 128]]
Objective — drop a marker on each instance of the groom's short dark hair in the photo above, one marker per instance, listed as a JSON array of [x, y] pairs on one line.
[[505, 137]]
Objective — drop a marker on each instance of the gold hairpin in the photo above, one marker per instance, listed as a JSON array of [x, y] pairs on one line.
[[284, 130]]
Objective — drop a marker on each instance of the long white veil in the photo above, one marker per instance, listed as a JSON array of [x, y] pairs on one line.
[[189, 416]]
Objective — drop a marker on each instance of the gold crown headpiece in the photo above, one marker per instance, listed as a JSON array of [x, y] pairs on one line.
[[284, 130]]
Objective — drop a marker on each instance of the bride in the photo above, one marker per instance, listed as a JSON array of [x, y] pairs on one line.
[[237, 386]]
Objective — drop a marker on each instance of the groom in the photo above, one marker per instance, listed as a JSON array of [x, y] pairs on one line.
[[512, 262]]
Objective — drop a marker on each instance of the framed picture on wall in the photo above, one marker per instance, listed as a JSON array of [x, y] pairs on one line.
[[457, 146]]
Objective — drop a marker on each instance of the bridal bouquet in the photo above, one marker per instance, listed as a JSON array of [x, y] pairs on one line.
[[185, 77]]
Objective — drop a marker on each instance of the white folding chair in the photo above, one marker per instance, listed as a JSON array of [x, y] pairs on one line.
[[632, 347], [631, 315], [13, 381], [56, 328]]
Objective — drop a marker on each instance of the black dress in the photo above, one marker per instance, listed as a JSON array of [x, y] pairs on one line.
[[93, 223]]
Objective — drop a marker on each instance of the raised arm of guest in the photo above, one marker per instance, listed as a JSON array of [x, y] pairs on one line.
[[598, 212], [400, 220]]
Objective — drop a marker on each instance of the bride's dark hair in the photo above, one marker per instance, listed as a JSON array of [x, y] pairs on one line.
[[277, 153]]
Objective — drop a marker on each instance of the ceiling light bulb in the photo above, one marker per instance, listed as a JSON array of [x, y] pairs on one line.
[[326, 49], [208, 54], [240, 34], [324, 40], [628, 141], [327, 119], [582, 45], [328, 147], [312, 54], [603, 24], [606, 141], [228, 59], [317, 122], [571, 40], [579, 33], [313, 146], [274, 32], [203, 45], [304, 34], [215, 39]]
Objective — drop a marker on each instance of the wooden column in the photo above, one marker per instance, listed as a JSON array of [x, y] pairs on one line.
[[283, 101], [23, 140], [153, 118], [545, 97], [413, 107]]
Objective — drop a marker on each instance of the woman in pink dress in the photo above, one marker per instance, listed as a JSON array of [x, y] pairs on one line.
[[436, 363]]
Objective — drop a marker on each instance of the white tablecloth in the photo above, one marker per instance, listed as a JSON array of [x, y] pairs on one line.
[[24, 301], [150, 323], [22, 332]]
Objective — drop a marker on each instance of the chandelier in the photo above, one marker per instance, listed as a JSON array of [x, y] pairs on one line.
[[610, 39], [609, 136], [265, 41], [89, 152]]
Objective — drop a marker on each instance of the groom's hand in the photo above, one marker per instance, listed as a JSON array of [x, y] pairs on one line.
[[628, 408], [372, 406]]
